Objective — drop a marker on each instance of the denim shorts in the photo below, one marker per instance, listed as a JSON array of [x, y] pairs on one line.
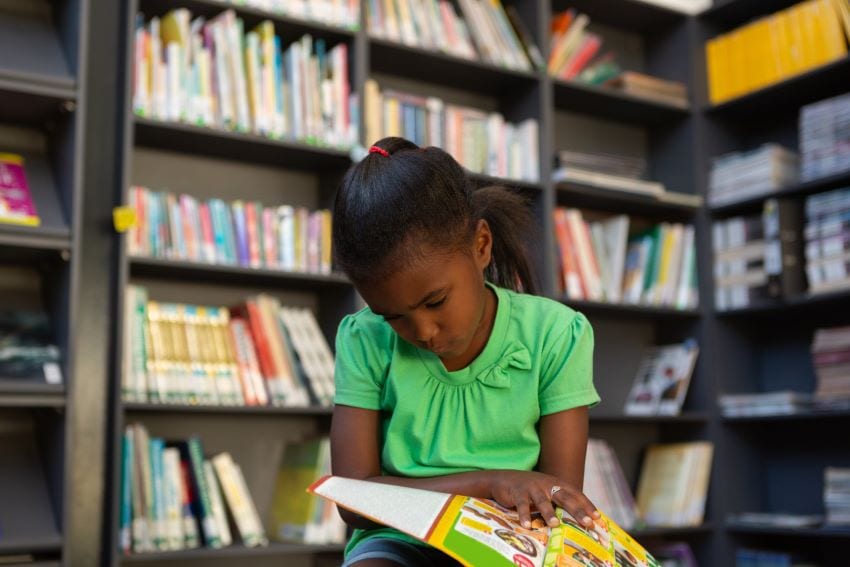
[[404, 553]]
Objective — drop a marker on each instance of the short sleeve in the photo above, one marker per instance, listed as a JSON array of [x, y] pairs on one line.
[[566, 379], [362, 357]]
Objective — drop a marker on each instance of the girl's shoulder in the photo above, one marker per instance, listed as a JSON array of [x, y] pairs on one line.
[[366, 327], [540, 311]]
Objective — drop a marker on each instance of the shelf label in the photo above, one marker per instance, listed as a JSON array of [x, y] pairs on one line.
[[123, 218]]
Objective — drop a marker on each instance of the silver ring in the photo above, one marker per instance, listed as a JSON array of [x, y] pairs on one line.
[[554, 490]]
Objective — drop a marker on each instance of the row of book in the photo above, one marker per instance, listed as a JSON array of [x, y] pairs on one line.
[[16, 203], [483, 142], [214, 73], [771, 49], [600, 261], [824, 135], [672, 486], [827, 241], [341, 13], [243, 233], [258, 353], [662, 379], [174, 498], [28, 351], [758, 258], [485, 31]]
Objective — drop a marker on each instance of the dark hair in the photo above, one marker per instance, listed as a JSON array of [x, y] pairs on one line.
[[385, 206]]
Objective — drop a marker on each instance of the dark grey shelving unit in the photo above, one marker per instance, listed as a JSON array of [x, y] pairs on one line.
[[278, 550], [42, 78]]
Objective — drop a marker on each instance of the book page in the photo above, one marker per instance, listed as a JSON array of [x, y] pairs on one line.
[[476, 531], [409, 510]]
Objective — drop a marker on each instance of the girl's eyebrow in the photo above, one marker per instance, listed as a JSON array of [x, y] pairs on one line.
[[429, 297]]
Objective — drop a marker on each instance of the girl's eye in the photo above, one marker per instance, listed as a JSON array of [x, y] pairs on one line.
[[435, 304]]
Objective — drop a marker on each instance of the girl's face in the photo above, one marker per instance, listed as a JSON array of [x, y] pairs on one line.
[[440, 304]]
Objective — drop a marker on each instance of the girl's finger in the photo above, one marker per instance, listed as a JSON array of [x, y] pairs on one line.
[[544, 506], [523, 510], [574, 503]]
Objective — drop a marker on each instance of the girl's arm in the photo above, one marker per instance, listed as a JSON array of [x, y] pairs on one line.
[[355, 454]]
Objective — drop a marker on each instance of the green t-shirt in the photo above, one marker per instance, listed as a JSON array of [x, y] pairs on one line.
[[538, 361]]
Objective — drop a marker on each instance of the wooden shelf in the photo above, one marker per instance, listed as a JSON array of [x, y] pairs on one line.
[[29, 394], [225, 410], [630, 311], [601, 199], [249, 148], [239, 275], [611, 104], [788, 95], [236, 551], [686, 418], [393, 58], [755, 204], [767, 530]]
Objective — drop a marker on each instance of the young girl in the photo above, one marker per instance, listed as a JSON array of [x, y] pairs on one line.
[[449, 380]]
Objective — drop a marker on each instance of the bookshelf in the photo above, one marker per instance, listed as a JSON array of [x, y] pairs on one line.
[[68, 80], [42, 78]]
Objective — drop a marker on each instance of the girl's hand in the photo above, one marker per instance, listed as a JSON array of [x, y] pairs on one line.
[[524, 489]]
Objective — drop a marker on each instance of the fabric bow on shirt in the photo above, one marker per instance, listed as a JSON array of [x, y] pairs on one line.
[[498, 376]]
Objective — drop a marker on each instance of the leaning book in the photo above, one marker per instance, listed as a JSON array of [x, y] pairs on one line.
[[476, 531]]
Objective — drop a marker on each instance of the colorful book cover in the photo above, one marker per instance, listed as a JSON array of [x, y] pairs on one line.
[[476, 531], [16, 204]]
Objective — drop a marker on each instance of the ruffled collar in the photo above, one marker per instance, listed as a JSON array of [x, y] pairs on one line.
[[492, 366]]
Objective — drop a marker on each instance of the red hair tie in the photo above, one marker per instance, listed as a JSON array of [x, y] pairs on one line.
[[377, 150]]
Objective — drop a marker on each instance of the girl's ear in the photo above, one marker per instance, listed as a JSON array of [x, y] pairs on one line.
[[482, 244]]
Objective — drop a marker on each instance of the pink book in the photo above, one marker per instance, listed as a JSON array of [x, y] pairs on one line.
[[16, 205]]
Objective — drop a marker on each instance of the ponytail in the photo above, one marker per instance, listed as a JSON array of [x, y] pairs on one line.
[[510, 221]]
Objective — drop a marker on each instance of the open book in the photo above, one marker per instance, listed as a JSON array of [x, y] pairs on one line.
[[480, 532]]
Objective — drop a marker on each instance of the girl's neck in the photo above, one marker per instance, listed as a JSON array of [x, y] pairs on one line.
[[481, 336]]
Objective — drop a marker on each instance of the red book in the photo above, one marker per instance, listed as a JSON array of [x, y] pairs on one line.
[[588, 49], [208, 246], [253, 236]]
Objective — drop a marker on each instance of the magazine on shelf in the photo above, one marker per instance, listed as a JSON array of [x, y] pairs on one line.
[[477, 531], [662, 379]]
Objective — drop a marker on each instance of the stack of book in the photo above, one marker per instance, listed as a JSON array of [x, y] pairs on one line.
[[743, 175], [606, 171], [600, 262], [825, 137], [662, 379], [776, 519], [256, 354], [483, 142], [673, 93], [296, 515], [827, 236], [740, 278], [341, 13], [16, 204], [173, 498], [765, 404], [836, 496], [179, 227], [674, 484], [831, 355], [213, 73], [606, 486], [771, 49], [428, 24]]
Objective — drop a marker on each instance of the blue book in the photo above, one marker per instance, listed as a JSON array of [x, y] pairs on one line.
[[218, 232], [237, 208], [126, 541], [157, 525]]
